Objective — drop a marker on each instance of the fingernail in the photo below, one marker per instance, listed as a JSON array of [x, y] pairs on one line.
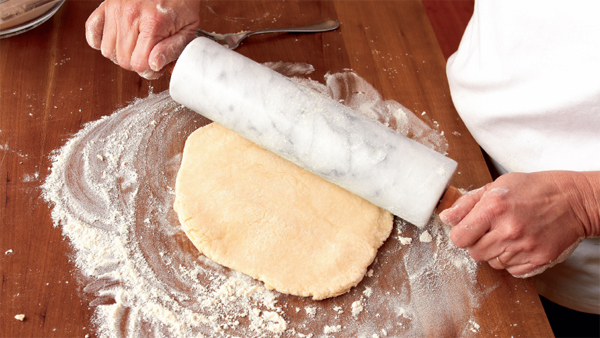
[[444, 217], [157, 65], [147, 74], [93, 40], [150, 75]]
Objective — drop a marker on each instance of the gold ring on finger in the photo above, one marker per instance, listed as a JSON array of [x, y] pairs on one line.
[[501, 263]]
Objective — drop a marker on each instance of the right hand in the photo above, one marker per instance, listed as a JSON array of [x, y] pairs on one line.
[[143, 35], [527, 222]]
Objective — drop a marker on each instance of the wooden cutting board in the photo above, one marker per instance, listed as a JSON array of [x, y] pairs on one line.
[[52, 83]]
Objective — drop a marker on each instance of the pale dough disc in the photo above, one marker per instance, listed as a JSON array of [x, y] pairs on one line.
[[250, 210]]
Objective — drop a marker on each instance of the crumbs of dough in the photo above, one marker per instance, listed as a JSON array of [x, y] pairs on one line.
[[405, 240], [267, 320], [311, 310], [20, 317], [356, 308], [332, 329], [425, 237]]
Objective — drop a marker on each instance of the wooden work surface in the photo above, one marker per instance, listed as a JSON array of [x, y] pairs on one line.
[[52, 83]]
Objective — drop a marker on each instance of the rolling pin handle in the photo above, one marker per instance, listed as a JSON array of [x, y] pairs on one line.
[[450, 196], [169, 68]]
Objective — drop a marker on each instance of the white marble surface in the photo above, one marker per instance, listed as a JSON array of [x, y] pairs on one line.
[[315, 132]]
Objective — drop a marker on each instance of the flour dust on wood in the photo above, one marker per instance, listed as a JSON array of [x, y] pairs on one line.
[[111, 188]]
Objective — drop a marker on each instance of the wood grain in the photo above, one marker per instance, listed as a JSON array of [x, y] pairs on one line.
[[449, 18], [52, 83]]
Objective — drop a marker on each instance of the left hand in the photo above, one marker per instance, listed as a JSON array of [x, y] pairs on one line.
[[143, 35], [524, 222]]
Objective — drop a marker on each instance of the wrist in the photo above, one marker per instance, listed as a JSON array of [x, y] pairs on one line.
[[583, 191], [593, 183]]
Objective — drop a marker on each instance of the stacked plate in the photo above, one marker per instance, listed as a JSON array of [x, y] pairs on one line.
[[18, 16]]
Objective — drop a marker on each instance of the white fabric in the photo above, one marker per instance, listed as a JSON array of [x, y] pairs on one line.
[[575, 282], [526, 82]]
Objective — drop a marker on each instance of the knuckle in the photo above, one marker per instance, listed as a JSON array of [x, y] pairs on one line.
[[90, 24], [123, 61], [456, 238], [152, 25], [94, 40], [513, 231], [530, 245], [112, 10], [106, 52], [130, 13], [475, 254], [496, 205], [138, 67]]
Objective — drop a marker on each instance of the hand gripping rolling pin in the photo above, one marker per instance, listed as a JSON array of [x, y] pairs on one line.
[[315, 132]]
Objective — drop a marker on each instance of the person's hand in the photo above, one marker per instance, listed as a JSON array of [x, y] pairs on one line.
[[143, 35], [525, 223]]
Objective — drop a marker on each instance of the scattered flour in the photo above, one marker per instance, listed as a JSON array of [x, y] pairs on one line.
[[20, 317], [31, 178], [499, 191], [267, 320], [161, 9], [474, 326], [111, 188], [167, 11], [291, 68], [128, 246], [9, 251]]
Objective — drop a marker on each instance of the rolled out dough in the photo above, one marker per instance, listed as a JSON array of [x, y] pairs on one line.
[[250, 210]]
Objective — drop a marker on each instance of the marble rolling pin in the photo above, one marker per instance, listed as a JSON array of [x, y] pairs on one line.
[[312, 131]]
